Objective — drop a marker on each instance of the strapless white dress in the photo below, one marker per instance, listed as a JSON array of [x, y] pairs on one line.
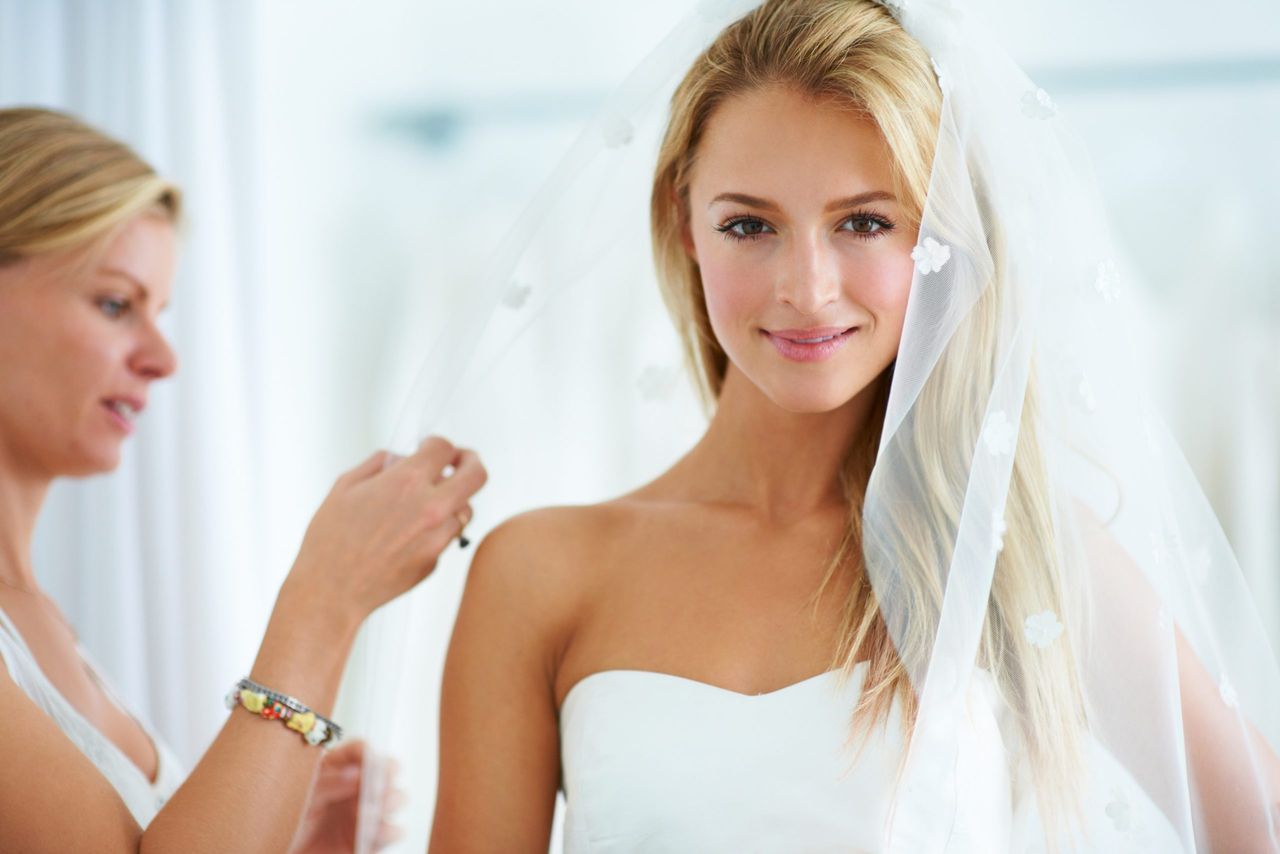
[[143, 797], [659, 763]]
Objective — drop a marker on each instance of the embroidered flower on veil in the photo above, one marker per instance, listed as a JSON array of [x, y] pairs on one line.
[[944, 80], [998, 435], [658, 382], [517, 294], [1107, 282], [998, 530], [617, 131], [930, 256], [1042, 629], [1038, 105], [1230, 698], [1119, 811]]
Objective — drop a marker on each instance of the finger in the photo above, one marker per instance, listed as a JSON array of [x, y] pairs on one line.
[[373, 464], [433, 454], [454, 529], [468, 477], [388, 834], [449, 468], [388, 768], [346, 752], [443, 529], [336, 784], [394, 800]]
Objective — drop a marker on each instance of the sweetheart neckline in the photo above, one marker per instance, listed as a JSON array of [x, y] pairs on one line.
[[701, 685]]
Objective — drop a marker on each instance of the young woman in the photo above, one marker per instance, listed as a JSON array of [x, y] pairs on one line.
[[863, 572], [87, 245]]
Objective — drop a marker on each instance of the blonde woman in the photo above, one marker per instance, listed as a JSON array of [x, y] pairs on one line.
[[87, 245], [869, 610]]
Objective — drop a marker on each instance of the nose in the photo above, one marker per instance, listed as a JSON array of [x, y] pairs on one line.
[[810, 280], [153, 358]]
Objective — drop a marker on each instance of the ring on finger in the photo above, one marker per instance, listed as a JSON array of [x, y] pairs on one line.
[[463, 521]]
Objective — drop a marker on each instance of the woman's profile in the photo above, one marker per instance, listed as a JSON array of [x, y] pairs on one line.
[[88, 236]]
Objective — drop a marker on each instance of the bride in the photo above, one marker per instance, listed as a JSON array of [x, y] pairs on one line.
[[913, 589]]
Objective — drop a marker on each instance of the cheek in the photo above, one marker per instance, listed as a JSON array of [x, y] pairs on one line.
[[737, 290], [78, 356], [883, 285]]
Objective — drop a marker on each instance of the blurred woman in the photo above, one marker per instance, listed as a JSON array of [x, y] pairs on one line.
[[87, 247]]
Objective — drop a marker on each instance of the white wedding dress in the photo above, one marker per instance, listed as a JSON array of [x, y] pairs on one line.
[[659, 763], [143, 797]]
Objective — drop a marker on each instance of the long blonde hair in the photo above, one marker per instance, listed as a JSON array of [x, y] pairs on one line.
[[853, 53], [64, 184]]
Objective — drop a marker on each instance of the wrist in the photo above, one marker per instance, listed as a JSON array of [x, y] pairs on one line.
[[316, 608], [306, 647]]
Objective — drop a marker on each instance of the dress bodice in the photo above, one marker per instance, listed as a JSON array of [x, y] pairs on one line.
[[659, 763]]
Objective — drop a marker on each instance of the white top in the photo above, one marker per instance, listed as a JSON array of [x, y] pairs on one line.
[[659, 763], [140, 795]]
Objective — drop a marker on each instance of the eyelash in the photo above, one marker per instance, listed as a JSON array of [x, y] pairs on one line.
[[113, 307], [885, 226]]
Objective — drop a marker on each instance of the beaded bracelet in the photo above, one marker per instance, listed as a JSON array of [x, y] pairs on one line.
[[262, 701]]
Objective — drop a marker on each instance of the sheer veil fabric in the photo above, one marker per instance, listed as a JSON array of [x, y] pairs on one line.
[[1019, 450]]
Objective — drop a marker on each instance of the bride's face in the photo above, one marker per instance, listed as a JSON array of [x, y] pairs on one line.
[[805, 260]]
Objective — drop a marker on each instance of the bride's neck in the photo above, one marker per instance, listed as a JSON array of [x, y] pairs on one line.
[[21, 497], [784, 464]]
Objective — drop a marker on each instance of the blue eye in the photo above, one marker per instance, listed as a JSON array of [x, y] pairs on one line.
[[113, 307], [744, 228]]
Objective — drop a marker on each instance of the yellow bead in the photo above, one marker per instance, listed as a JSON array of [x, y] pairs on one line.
[[252, 701], [302, 723]]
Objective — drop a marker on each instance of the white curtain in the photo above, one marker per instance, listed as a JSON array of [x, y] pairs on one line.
[[160, 564]]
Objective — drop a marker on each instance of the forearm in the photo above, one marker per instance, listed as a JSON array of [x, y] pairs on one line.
[[248, 792], [1236, 774]]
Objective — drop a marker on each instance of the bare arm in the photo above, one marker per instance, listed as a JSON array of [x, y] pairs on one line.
[[378, 533], [499, 736], [1236, 796], [1235, 774]]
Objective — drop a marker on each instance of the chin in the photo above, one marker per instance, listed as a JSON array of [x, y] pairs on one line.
[[810, 401], [92, 461]]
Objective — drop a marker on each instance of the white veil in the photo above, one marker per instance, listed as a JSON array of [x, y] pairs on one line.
[[563, 370]]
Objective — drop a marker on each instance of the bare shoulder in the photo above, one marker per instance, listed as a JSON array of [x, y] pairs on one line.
[[550, 560], [531, 579], [553, 531]]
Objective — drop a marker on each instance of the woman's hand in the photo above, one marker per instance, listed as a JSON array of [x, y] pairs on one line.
[[378, 533], [259, 788], [383, 526], [329, 824]]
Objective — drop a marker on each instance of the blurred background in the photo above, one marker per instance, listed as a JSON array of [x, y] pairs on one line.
[[342, 160]]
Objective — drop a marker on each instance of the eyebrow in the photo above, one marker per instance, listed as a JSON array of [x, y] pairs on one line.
[[837, 205]]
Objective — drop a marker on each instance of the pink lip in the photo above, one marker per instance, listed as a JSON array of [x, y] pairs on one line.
[[788, 342], [811, 332]]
